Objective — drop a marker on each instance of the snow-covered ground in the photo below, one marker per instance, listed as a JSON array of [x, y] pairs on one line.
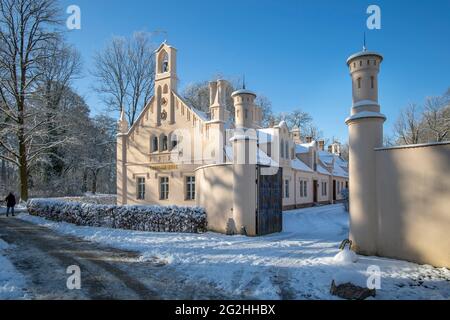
[[295, 264], [12, 283]]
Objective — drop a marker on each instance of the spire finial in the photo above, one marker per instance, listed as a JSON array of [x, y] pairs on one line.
[[243, 82], [364, 45]]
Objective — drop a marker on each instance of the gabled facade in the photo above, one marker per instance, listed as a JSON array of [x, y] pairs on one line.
[[243, 174]]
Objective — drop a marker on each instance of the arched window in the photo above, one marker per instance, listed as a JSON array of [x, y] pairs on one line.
[[359, 83], [163, 63], [282, 149], [173, 140], [163, 142], [286, 150], [166, 89], [372, 82], [154, 144]]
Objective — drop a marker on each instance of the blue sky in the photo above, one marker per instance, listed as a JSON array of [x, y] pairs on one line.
[[291, 51]]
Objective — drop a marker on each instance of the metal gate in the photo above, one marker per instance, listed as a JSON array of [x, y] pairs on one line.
[[269, 217]]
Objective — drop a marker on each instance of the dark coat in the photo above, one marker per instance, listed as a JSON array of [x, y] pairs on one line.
[[10, 200]]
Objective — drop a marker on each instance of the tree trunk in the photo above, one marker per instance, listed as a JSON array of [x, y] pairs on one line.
[[84, 184], [94, 181], [23, 161], [23, 170]]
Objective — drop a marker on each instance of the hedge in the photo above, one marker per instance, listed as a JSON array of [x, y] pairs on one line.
[[140, 218]]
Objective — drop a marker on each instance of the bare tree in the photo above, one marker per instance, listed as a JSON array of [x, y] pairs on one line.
[[298, 118], [408, 128], [196, 95], [312, 131], [266, 108], [436, 118], [27, 28], [125, 70], [100, 148]]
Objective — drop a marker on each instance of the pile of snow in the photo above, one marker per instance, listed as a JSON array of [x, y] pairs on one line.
[[141, 218], [12, 283], [346, 256]]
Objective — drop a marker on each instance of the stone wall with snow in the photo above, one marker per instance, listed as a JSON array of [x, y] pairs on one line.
[[140, 218]]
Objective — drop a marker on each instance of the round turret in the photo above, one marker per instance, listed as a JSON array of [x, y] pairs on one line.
[[244, 106]]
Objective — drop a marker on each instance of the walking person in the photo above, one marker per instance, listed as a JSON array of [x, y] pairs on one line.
[[345, 196], [10, 203]]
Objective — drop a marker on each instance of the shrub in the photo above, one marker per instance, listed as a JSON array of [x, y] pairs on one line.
[[141, 218]]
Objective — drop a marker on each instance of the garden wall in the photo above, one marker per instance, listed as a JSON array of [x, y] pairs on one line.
[[140, 218]]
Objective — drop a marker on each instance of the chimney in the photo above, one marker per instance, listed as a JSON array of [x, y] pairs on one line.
[[336, 148], [296, 135], [322, 145]]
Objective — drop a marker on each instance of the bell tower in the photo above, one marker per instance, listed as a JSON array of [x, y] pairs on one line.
[[165, 83]]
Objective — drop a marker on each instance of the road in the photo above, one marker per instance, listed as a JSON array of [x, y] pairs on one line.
[[43, 257]]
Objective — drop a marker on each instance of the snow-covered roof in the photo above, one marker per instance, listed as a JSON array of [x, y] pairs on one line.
[[201, 114], [265, 135], [164, 44], [337, 163], [365, 114], [326, 157], [300, 148], [242, 91], [282, 124], [262, 157], [309, 144], [338, 171], [297, 164], [365, 103], [363, 54], [322, 170]]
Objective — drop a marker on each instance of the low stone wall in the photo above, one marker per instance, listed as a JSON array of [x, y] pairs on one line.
[[140, 218]]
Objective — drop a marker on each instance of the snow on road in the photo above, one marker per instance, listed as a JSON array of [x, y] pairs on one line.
[[294, 264], [12, 283]]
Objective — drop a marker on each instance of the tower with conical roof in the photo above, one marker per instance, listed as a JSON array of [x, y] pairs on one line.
[[365, 126]]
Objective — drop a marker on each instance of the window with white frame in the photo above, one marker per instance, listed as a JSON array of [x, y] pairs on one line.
[[154, 143], [190, 188], [286, 188], [164, 188], [324, 188], [303, 188], [140, 184]]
